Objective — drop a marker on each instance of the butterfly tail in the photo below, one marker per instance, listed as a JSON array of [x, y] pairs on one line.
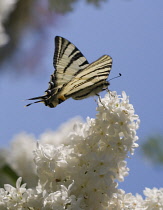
[[43, 98], [41, 101]]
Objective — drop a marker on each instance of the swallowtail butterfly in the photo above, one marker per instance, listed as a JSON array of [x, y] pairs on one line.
[[74, 77]]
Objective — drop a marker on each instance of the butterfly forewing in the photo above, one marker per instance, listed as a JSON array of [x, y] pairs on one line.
[[92, 77], [67, 61]]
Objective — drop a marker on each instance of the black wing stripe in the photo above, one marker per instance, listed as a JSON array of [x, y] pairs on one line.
[[60, 47], [84, 63], [73, 59], [63, 48], [98, 72], [73, 52]]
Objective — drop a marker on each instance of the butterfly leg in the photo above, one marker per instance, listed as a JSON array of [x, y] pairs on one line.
[[100, 100], [110, 93]]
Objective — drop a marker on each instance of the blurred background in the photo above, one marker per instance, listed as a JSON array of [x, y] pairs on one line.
[[130, 31]]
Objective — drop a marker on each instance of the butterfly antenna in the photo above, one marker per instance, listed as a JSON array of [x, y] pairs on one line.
[[116, 76]]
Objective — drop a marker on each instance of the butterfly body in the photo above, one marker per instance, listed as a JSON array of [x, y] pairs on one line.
[[74, 77]]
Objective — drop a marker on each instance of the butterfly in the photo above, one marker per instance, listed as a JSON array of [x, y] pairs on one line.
[[74, 77]]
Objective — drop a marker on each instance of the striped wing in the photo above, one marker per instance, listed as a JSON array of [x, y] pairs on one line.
[[90, 81], [67, 61]]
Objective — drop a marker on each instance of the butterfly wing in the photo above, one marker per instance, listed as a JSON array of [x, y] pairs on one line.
[[89, 81], [67, 61]]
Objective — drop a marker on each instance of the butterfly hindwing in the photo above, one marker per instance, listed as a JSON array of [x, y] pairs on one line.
[[67, 61]]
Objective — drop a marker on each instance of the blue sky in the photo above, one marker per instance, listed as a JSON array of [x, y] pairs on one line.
[[131, 32]]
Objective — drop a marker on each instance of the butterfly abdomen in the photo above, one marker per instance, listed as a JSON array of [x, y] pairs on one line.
[[54, 100]]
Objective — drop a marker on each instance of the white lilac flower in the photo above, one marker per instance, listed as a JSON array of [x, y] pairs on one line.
[[19, 198], [57, 200], [59, 137], [82, 171], [14, 198], [154, 198], [21, 157], [51, 165], [122, 201], [93, 156]]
